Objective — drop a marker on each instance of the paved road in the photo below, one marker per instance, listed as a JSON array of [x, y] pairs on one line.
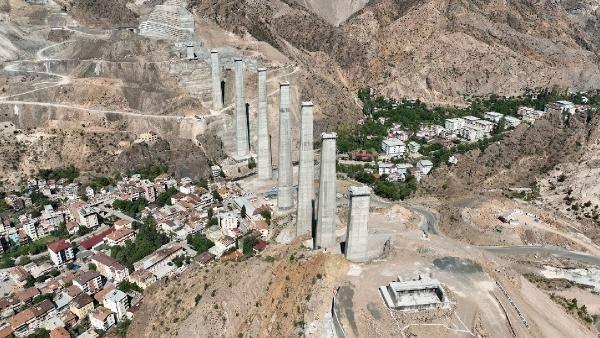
[[429, 219]]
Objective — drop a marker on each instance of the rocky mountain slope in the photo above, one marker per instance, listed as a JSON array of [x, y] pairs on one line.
[[436, 50], [334, 11]]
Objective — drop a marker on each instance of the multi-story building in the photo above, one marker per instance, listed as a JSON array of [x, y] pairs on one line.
[[454, 125], [88, 217], [89, 281], [473, 121], [143, 278], [472, 133], [512, 122], [110, 267], [149, 190], [89, 192], [118, 302], [425, 166], [60, 252], [561, 107], [228, 221], [50, 218], [159, 258], [102, 318], [82, 305], [393, 147], [30, 229], [120, 236], [493, 116]]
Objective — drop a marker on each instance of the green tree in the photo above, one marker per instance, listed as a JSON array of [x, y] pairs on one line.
[[3, 205], [164, 198], [217, 196], [248, 245], [92, 266], [127, 286], [147, 240], [200, 243], [243, 211]]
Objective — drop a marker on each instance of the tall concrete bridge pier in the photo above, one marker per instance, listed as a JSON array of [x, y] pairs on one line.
[[217, 95], [357, 233], [264, 166], [306, 172], [241, 120], [325, 236], [285, 174]]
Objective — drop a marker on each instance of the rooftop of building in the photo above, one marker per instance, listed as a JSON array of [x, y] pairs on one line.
[[86, 276], [59, 246], [105, 259], [27, 294], [393, 142], [115, 295], [81, 301], [119, 234], [101, 313]]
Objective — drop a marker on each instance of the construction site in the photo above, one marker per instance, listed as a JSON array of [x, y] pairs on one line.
[[344, 262]]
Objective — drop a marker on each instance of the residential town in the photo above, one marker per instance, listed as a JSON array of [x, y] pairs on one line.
[[407, 153], [78, 257]]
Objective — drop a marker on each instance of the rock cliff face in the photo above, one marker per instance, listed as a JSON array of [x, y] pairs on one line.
[[435, 50]]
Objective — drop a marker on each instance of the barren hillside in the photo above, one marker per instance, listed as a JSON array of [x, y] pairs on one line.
[[436, 50]]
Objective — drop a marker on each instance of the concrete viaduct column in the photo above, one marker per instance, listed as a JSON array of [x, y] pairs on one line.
[[306, 172], [217, 95], [241, 121], [284, 168], [357, 233], [327, 202], [264, 166]]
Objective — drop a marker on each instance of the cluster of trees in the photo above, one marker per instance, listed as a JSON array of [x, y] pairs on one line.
[[100, 182], [68, 173], [248, 245], [153, 171], [127, 286], [3, 205], [130, 208], [395, 190], [164, 198], [200, 243], [266, 214], [147, 240], [391, 190]]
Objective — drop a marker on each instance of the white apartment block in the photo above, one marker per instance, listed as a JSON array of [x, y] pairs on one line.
[[393, 147], [454, 125]]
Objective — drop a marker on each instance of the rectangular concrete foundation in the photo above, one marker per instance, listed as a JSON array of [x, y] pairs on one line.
[[325, 236], [264, 166], [241, 120], [217, 95], [357, 232], [306, 172], [284, 167]]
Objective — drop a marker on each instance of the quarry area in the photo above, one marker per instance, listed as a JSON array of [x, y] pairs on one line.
[[169, 177]]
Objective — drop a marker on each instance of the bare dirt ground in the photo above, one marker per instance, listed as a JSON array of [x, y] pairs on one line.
[[282, 293]]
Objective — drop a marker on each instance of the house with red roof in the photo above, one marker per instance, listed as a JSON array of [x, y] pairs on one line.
[[96, 239], [61, 252]]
